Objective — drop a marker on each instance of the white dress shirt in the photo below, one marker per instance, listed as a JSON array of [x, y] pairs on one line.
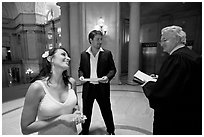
[[93, 64]]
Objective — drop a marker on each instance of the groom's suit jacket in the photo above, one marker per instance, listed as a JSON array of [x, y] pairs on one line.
[[105, 67]]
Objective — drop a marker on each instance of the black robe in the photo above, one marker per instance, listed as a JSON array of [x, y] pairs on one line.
[[176, 97]]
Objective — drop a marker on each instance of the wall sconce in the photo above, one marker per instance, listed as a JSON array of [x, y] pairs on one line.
[[101, 26], [29, 71]]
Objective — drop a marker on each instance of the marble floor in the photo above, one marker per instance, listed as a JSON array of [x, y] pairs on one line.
[[131, 112]]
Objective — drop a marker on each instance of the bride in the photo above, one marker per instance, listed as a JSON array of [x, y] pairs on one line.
[[50, 105]]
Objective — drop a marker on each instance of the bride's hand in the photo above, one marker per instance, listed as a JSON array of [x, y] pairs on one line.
[[80, 118], [75, 118], [77, 112], [68, 119]]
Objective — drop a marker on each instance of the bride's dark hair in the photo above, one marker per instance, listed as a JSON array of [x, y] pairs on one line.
[[46, 69]]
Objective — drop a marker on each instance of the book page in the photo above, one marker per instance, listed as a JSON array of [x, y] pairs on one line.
[[144, 77]]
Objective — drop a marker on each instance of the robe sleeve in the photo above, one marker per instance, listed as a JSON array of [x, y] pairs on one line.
[[171, 78]]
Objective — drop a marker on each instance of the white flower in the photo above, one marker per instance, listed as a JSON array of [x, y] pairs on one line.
[[45, 55]]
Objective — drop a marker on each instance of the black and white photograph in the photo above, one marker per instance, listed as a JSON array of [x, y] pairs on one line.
[[101, 68]]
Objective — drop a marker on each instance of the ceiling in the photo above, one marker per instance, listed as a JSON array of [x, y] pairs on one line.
[[148, 9], [152, 8]]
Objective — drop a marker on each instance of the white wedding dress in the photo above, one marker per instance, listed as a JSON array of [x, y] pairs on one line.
[[50, 107]]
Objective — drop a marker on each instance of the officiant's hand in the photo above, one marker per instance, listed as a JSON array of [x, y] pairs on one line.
[[104, 79], [144, 83], [154, 76]]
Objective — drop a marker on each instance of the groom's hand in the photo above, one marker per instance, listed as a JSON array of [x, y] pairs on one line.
[[104, 79]]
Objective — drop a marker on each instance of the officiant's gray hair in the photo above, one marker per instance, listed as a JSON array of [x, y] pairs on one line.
[[177, 30]]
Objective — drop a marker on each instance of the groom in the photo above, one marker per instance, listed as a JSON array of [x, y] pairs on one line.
[[97, 62]]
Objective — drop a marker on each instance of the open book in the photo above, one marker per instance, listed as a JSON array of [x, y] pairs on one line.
[[141, 77]]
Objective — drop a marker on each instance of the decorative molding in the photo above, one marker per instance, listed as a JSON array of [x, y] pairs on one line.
[[18, 20], [150, 44], [35, 14]]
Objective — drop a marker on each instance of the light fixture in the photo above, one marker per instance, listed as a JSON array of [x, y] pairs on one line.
[[51, 33], [101, 26], [59, 31], [29, 71]]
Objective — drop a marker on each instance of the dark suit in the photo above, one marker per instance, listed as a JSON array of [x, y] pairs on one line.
[[101, 91], [176, 97]]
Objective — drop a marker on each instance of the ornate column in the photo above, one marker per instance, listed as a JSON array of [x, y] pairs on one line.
[[75, 38], [134, 44], [71, 17], [65, 24]]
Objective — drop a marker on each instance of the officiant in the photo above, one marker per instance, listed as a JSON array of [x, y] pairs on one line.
[[176, 96]]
